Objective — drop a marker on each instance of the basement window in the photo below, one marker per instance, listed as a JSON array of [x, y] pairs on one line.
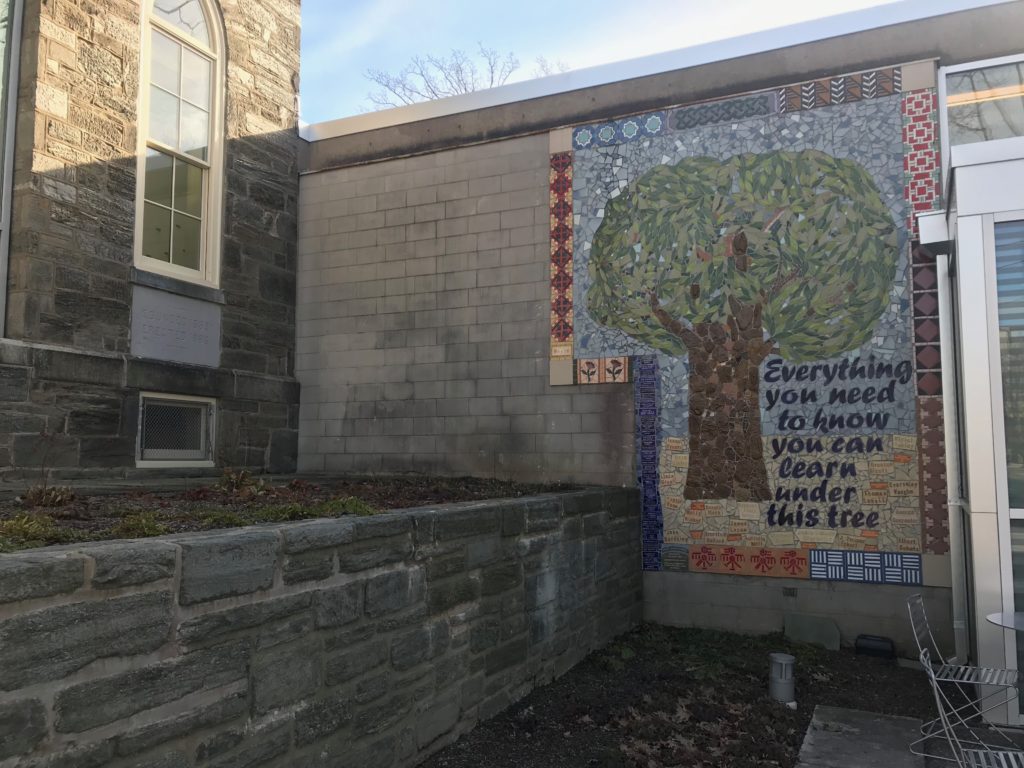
[[175, 430]]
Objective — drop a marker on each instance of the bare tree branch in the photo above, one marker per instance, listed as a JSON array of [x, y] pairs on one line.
[[435, 77]]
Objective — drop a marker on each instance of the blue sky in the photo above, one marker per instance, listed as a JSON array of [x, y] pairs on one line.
[[342, 39]]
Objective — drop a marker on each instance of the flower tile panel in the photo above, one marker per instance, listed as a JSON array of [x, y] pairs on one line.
[[619, 131]]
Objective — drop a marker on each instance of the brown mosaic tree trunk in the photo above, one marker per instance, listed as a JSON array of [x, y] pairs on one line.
[[726, 452]]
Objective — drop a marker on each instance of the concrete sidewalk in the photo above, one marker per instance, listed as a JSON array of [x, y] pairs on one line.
[[849, 738]]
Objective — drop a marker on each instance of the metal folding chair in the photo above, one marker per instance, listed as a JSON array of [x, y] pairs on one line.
[[967, 751], [963, 677]]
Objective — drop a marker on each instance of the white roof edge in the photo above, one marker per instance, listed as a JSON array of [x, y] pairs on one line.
[[704, 53]]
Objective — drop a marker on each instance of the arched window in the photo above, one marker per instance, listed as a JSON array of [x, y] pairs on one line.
[[180, 141]]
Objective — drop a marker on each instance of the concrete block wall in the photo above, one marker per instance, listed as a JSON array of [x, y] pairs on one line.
[[423, 324], [760, 605], [351, 643]]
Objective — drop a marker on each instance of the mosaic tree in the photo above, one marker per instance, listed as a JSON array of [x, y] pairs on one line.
[[730, 261]]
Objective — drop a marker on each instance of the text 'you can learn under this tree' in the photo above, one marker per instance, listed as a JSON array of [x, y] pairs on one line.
[[729, 261]]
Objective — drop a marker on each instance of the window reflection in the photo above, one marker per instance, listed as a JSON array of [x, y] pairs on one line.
[[1010, 285], [985, 104], [186, 15]]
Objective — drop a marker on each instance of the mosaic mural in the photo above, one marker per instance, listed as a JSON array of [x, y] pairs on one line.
[[745, 264]]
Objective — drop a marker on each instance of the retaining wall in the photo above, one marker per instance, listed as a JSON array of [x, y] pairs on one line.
[[362, 642]]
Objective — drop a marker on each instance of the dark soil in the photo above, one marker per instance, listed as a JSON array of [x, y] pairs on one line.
[[667, 698], [56, 515]]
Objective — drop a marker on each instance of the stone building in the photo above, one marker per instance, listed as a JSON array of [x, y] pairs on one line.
[[149, 236]]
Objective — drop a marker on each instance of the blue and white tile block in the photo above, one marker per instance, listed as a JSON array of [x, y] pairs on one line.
[[866, 567], [619, 131]]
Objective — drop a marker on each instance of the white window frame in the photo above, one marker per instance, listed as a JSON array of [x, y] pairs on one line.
[[211, 431], [213, 176]]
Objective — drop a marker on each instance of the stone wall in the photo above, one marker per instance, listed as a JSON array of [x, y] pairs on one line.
[[72, 280], [423, 322], [361, 642]]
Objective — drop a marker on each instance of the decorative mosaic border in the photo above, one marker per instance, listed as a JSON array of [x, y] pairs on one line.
[[725, 111], [866, 567], [619, 131], [560, 179], [844, 89], [922, 193], [749, 561], [602, 370], [920, 154], [648, 430]]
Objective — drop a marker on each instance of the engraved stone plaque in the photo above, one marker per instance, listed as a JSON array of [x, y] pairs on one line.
[[176, 328]]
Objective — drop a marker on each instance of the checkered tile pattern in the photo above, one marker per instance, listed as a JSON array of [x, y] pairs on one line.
[[866, 567]]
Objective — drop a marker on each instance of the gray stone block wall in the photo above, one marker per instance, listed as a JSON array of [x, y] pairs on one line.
[[369, 642], [89, 405], [423, 325], [71, 276], [759, 606]]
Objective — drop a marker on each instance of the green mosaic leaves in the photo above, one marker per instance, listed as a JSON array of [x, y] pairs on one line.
[[803, 236]]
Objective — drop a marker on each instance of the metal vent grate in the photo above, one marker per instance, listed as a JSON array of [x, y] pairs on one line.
[[175, 430]]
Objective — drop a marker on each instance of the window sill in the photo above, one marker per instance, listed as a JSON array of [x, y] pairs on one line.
[[176, 286]]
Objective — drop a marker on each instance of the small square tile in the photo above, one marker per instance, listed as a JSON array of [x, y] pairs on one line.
[[560, 371]]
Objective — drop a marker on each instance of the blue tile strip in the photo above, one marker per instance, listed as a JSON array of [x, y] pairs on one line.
[[866, 567], [645, 389], [619, 131]]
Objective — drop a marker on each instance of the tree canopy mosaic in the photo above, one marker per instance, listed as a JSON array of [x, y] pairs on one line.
[[729, 261]]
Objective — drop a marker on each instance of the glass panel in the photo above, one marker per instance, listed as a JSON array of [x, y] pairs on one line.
[[163, 117], [186, 241], [6, 7], [186, 15], [1017, 561], [188, 188], [985, 104], [195, 131], [158, 177], [156, 232], [1010, 286], [166, 64], [195, 79]]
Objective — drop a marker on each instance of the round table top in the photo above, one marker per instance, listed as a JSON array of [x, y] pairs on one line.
[[1008, 620]]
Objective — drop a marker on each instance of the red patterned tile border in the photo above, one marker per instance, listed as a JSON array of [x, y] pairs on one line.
[[561, 255], [749, 561], [920, 154]]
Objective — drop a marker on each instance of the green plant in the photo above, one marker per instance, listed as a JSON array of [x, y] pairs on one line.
[[31, 530], [222, 519], [48, 496], [42, 495], [241, 484], [139, 525], [346, 505]]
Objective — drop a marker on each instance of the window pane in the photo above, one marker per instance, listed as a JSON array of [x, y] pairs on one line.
[[195, 131], [1010, 284], [195, 79], [186, 15], [156, 232], [188, 188], [166, 65], [158, 177], [985, 104], [163, 117], [186, 241]]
